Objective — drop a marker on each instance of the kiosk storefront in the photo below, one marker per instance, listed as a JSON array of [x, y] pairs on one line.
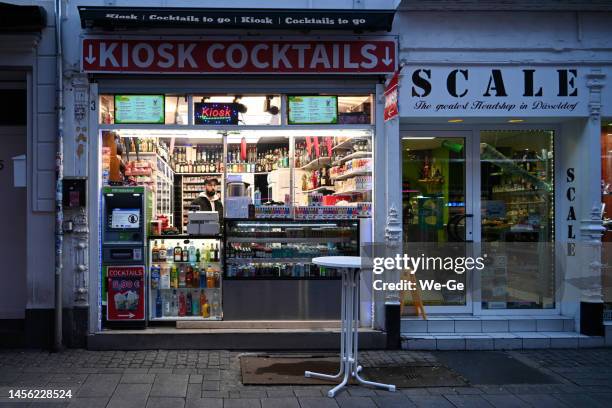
[[291, 159], [499, 157]]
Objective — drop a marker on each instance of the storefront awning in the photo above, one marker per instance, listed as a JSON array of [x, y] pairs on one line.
[[218, 18], [15, 18]]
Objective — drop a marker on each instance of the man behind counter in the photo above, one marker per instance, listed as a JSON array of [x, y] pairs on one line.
[[210, 200]]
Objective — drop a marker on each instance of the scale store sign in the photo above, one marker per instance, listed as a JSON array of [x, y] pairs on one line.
[[236, 56], [459, 91], [126, 298]]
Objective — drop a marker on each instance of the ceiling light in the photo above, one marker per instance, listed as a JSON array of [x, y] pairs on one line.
[[455, 120], [516, 120]]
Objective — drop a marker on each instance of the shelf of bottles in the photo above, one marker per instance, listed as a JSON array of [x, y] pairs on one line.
[[284, 249], [185, 279], [147, 164], [333, 171]]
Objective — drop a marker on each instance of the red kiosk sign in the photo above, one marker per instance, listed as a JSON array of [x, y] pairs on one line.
[[238, 56], [126, 298]]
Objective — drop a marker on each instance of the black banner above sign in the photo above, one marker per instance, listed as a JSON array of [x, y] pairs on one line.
[[274, 19]]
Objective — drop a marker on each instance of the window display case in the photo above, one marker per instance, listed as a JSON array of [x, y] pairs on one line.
[[185, 280], [273, 249]]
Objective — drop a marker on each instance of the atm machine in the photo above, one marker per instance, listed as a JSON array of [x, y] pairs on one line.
[[126, 213]]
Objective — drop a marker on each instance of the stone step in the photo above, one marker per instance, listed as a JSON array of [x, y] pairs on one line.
[[258, 324], [499, 341], [487, 324]]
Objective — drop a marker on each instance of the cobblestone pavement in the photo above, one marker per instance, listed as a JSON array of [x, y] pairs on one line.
[[211, 379]]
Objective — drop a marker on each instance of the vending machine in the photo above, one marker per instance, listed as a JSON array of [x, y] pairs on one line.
[[125, 219]]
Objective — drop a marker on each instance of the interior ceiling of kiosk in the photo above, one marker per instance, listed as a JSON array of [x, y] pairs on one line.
[[235, 136]]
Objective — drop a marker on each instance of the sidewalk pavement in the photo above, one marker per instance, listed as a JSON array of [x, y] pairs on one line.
[[211, 379]]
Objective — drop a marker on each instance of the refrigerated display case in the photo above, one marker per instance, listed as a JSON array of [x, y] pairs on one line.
[[269, 263], [185, 277]]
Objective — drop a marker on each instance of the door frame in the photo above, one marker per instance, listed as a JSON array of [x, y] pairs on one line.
[[471, 146], [473, 132]]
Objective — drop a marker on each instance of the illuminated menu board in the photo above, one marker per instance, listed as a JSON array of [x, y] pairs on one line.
[[147, 109], [312, 110]]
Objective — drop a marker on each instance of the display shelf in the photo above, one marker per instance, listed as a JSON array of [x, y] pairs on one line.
[[183, 318], [355, 155], [286, 240], [317, 163], [347, 144], [251, 172], [267, 260], [349, 192], [322, 188], [199, 174], [353, 173], [521, 192]]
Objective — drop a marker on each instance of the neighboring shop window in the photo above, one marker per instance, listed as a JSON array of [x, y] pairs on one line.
[[517, 217], [606, 199], [13, 107]]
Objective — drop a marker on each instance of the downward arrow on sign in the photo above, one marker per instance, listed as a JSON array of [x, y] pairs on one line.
[[387, 61], [90, 59]]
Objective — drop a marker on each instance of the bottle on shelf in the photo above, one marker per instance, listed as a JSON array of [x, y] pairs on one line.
[[174, 277], [175, 300], [210, 277], [195, 304], [162, 252], [167, 306], [185, 257], [204, 306], [164, 277], [189, 277], [216, 253], [192, 253], [182, 280], [215, 305], [202, 278], [182, 309], [188, 306], [158, 304], [178, 253], [155, 272]]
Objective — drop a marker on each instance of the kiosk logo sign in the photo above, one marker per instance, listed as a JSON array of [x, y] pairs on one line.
[[209, 113]]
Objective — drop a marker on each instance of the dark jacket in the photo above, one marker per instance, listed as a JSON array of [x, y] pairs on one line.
[[205, 205]]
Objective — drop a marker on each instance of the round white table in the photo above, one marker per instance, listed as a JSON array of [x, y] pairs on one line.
[[350, 268]]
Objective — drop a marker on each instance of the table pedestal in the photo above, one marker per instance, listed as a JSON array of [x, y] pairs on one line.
[[349, 336]]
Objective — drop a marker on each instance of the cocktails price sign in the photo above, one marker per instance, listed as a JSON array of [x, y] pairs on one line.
[[126, 298], [143, 109], [311, 110]]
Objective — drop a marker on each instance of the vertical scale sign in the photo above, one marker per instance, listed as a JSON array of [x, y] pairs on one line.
[[391, 97], [126, 299]]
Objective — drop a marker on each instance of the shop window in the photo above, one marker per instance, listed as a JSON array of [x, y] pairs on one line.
[[107, 109], [13, 107], [177, 110], [251, 110], [517, 218]]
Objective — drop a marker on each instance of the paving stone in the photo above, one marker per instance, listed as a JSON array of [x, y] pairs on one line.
[[413, 391], [358, 391], [204, 403], [584, 400], [196, 378], [468, 401], [160, 402], [283, 402], [130, 395], [345, 401], [242, 403], [432, 401], [280, 392], [99, 385], [194, 391], [542, 400], [170, 385], [88, 402], [396, 401], [317, 402], [140, 378], [505, 401], [211, 385], [310, 391]]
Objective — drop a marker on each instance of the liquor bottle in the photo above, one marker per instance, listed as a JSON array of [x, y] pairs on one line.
[[174, 311], [210, 277], [189, 277], [197, 254], [205, 307], [202, 278], [196, 277], [192, 253], [188, 306], [181, 280], [158, 304], [181, 304], [195, 304], [216, 253], [178, 253], [174, 277], [155, 272], [164, 278], [155, 252], [206, 253], [162, 252], [167, 306], [185, 254], [215, 305]]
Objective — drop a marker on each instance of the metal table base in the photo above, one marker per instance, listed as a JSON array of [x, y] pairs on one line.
[[349, 336]]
